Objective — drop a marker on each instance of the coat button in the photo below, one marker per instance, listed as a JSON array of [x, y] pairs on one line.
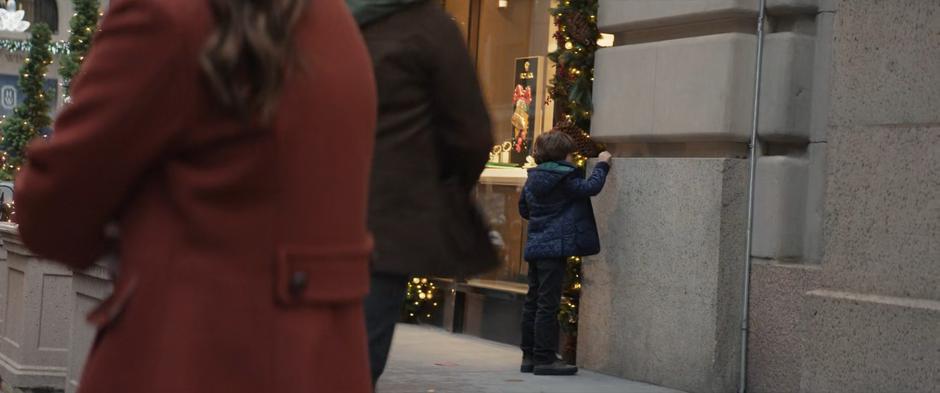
[[298, 282]]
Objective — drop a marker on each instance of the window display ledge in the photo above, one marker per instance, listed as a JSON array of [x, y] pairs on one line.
[[503, 176], [499, 285]]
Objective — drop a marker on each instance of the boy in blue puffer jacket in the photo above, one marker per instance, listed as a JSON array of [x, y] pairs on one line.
[[556, 201]]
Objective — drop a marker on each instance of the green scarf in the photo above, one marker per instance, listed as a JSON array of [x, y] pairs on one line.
[[558, 167], [368, 11]]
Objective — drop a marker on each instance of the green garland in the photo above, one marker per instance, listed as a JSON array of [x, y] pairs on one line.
[[571, 296], [32, 116], [83, 25], [56, 48], [571, 89], [577, 37]]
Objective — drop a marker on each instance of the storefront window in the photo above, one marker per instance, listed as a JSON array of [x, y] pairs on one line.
[[508, 40], [497, 36]]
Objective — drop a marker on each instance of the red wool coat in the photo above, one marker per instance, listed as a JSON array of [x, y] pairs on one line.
[[244, 250]]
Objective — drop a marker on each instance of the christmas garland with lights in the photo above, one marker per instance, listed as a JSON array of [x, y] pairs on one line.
[[31, 118], [83, 25], [571, 89], [572, 85]]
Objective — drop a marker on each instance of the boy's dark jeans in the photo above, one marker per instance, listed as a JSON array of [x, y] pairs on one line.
[[540, 313]]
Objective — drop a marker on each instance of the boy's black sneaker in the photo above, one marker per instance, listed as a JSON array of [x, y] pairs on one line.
[[528, 365], [559, 367]]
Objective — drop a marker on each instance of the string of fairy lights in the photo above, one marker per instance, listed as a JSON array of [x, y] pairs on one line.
[[578, 39], [31, 117], [421, 299]]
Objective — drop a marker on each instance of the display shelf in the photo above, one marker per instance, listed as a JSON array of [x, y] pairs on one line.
[[504, 176], [499, 285]]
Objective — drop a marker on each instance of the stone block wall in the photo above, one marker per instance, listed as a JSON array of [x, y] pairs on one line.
[[858, 342], [34, 335], [701, 89], [873, 325], [661, 302], [627, 15], [775, 346], [677, 89], [844, 282], [44, 336], [779, 208]]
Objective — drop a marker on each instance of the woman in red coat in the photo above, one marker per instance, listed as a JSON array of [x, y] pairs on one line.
[[231, 142]]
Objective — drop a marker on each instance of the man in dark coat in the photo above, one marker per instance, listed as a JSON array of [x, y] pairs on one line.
[[432, 142]]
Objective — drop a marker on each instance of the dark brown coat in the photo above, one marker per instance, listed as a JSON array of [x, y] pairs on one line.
[[244, 251], [432, 142]]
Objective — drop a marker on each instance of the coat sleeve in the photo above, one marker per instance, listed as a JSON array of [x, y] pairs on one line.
[[581, 188], [127, 105], [460, 112]]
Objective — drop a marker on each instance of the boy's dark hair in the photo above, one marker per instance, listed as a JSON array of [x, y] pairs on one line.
[[553, 146]]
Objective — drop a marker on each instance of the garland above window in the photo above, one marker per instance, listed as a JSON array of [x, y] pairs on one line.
[[57, 48]]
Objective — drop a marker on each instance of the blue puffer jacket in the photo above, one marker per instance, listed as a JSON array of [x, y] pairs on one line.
[[557, 202]]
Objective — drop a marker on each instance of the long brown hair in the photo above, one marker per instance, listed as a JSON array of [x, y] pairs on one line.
[[246, 56]]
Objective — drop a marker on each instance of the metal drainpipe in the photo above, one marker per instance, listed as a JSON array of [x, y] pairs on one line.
[[752, 174]]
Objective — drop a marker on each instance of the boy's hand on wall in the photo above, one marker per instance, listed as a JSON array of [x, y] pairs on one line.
[[604, 157]]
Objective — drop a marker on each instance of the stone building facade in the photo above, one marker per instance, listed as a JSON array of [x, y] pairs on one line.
[[845, 290]]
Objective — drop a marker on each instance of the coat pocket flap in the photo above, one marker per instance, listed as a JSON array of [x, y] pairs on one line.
[[322, 275]]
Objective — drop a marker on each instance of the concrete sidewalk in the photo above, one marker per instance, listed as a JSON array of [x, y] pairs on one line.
[[427, 360]]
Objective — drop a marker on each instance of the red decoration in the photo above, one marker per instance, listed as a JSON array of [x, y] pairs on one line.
[[524, 94]]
